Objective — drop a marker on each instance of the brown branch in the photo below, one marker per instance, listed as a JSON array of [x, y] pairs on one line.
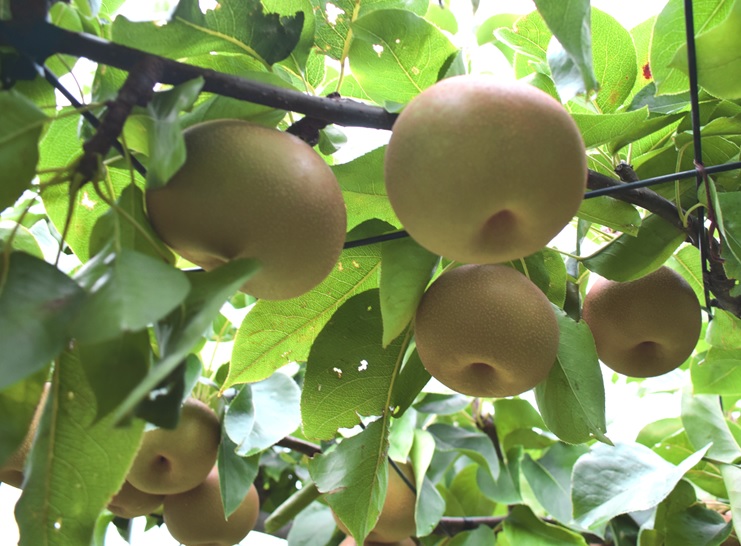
[[647, 199], [137, 90], [301, 446], [57, 40]]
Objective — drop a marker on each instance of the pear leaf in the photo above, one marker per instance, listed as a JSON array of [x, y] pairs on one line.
[[37, 304]]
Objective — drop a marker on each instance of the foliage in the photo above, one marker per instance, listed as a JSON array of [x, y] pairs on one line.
[[93, 302]]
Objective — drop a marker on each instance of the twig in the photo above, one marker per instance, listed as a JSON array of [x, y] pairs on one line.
[[136, 90], [647, 199], [301, 446], [57, 40]]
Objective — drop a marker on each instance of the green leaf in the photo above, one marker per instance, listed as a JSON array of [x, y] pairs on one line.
[[60, 147], [312, 526], [354, 478], [333, 35], [20, 130], [211, 106], [686, 262], [348, 373], [648, 127], [546, 269], [485, 31], [550, 478], [178, 332], [296, 61], [127, 358], [77, 463], [37, 303], [732, 477], [612, 213], [464, 497], [615, 62], [530, 40], [235, 27], [481, 536], [724, 331], [599, 129], [113, 227], [17, 407], [444, 404], [705, 424], [127, 292], [639, 480], [275, 333], [166, 143], [276, 414], [473, 444], [572, 397], [406, 268], [23, 239], [696, 526], [430, 505], [718, 57], [570, 24], [396, 54], [717, 372], [524, 527], [730, 226], [559, 463], [682, 521], [236, 474], [627, 257], [669, 37], [363, 188], [513, 415]]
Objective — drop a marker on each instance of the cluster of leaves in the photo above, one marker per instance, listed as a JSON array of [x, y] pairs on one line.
[[81, 263]]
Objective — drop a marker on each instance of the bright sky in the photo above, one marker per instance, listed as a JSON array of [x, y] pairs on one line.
[[624, 419]]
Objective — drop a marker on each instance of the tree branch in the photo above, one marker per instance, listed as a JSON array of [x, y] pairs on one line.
[[136, 90], [26, 38], [301, 446], [647, 199]]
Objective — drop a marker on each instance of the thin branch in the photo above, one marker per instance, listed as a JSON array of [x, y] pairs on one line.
[[57, 40], [136, 90], [301, 446], [647, 199]]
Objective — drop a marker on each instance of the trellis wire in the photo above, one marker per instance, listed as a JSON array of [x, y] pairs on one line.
[[702, 242]]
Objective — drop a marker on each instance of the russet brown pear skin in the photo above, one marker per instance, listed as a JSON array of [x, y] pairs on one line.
[[129, 502], [645, 327], [247, 191], [484, 171], [171, 461], [12, 471], [396, 521], [196, 517], [486, 330]]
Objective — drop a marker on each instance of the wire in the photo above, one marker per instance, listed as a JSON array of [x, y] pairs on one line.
[[662, 179], [689, 23]]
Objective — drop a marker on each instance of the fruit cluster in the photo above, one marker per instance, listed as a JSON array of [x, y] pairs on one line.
[[174, 472], [460, 175]]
